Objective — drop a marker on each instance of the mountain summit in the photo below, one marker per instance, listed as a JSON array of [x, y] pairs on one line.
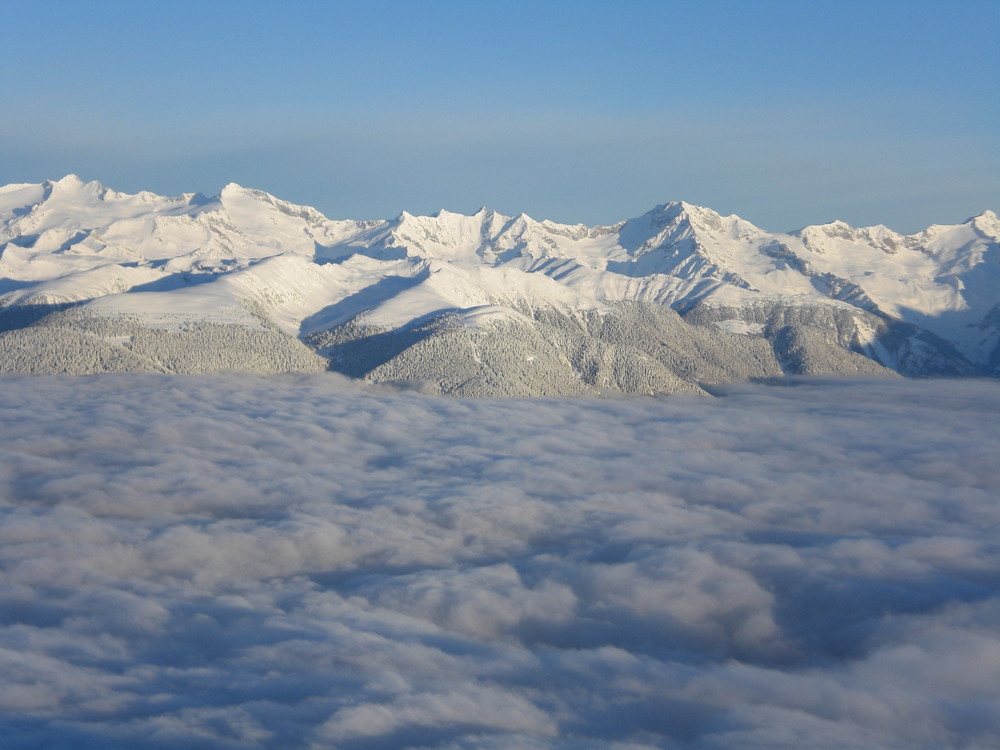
[[679, 298]]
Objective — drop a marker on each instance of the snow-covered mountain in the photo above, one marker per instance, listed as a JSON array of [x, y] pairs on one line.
[[93, 280]]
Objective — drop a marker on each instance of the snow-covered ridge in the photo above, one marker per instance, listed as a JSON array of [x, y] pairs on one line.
[[174, 261]]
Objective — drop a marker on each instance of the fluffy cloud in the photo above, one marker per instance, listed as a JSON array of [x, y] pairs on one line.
[[306, 562]]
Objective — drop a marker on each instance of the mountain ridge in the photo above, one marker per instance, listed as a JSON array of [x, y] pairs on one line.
[[826, 298]]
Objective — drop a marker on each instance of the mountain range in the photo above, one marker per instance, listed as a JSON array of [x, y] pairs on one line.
[[678, 299]]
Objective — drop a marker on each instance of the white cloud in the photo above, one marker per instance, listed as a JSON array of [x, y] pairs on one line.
[[300, 562]]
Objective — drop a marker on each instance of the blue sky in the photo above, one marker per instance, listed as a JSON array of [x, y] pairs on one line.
[[786, 113]]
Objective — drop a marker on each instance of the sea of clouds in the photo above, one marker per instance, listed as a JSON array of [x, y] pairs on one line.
[[305, 562]]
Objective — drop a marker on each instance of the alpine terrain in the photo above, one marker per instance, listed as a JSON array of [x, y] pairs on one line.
[[678, 299]]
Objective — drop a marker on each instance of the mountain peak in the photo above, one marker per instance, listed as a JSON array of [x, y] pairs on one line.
[[670, 207], [835, 228], [70, 186], [72, 183], [683, 214], [233, 188], [677, 209], [986, 223]]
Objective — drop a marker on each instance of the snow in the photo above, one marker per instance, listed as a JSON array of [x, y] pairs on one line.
[[925, 280], [740, 327], [67, 240]]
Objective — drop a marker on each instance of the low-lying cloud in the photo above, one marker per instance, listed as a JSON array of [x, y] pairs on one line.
[[236, 562]]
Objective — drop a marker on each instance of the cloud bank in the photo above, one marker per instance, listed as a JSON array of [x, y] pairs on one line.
[[220, 562]]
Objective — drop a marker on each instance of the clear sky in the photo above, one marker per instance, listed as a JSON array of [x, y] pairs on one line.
[[786, 113]]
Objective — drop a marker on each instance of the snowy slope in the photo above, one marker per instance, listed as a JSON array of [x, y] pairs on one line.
[[816, 299]]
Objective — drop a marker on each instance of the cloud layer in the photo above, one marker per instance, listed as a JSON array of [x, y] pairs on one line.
[[216, 562]]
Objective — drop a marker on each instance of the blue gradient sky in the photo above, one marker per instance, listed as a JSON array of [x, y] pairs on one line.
[[786, 113]]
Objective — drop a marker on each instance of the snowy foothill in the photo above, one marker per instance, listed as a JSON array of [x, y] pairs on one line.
[[310, 562]]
